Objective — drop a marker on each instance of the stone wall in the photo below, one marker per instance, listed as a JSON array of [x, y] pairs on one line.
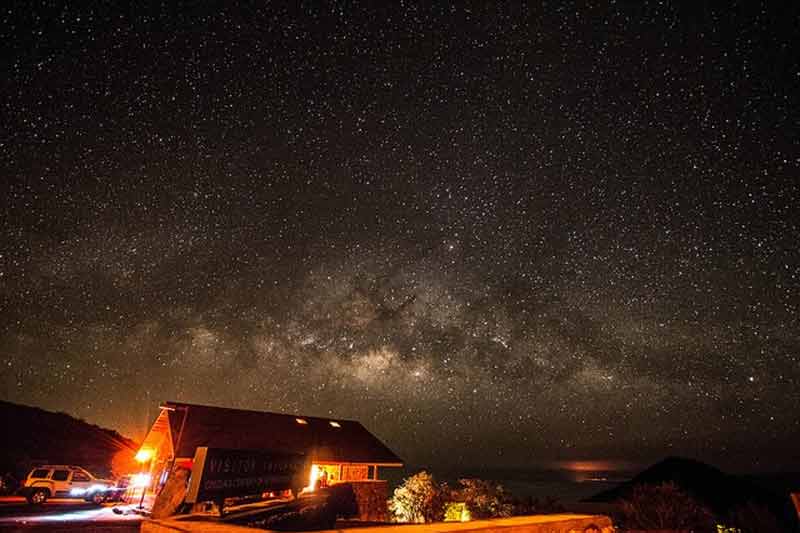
[[371, 498]]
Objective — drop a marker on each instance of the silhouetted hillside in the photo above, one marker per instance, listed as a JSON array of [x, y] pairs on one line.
[[720, 492], [34, 436]]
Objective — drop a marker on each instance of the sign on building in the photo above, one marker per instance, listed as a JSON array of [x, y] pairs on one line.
[[219, 473]]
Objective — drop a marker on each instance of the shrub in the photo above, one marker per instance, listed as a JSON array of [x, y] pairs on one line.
[[484, 499], [419, 499], [663, 507], [342, 500], [753, 518]]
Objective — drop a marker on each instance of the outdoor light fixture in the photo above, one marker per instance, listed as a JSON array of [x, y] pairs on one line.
[[143, 455], [301, 421], [140, 480], [312, 478], [335, 424]]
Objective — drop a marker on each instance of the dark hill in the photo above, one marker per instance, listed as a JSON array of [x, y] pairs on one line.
[[720, 492], [35, 436]]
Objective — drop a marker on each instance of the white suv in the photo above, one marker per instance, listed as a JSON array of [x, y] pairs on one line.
[[60, 481]]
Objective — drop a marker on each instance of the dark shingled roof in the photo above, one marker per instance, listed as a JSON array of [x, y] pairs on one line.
[[220, 427]]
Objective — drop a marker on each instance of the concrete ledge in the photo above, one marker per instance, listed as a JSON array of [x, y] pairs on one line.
[[554, 523], [191, 526]]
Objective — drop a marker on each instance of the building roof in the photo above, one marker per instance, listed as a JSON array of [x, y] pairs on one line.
[[324, 439]]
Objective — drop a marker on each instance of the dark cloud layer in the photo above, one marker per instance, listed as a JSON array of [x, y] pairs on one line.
[[493, 236]]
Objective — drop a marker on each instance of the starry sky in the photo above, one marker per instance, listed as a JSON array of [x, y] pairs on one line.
[[497, 235]]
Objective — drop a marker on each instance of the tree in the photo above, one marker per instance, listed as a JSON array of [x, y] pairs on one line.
[[665, 506], [419, 499], [484, 499]]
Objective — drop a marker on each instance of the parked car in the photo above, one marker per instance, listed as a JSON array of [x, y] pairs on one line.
[[64, 481]]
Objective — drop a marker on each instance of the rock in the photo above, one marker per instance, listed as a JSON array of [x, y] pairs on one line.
[[172, 495]]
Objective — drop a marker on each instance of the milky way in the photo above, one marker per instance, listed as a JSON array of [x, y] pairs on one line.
[[495, 236]]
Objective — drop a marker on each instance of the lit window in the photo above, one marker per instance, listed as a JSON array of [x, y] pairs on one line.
[[335, 424], [301, 421]]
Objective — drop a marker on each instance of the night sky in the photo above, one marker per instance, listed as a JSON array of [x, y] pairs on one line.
[[497, 236]]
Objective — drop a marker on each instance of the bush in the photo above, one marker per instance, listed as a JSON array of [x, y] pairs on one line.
[[419, 499], [753, 518], [484, 499], [342, 500], [663, 507]]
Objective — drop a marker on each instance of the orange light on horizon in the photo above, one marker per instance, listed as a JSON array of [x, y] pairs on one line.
[[594, 465]]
